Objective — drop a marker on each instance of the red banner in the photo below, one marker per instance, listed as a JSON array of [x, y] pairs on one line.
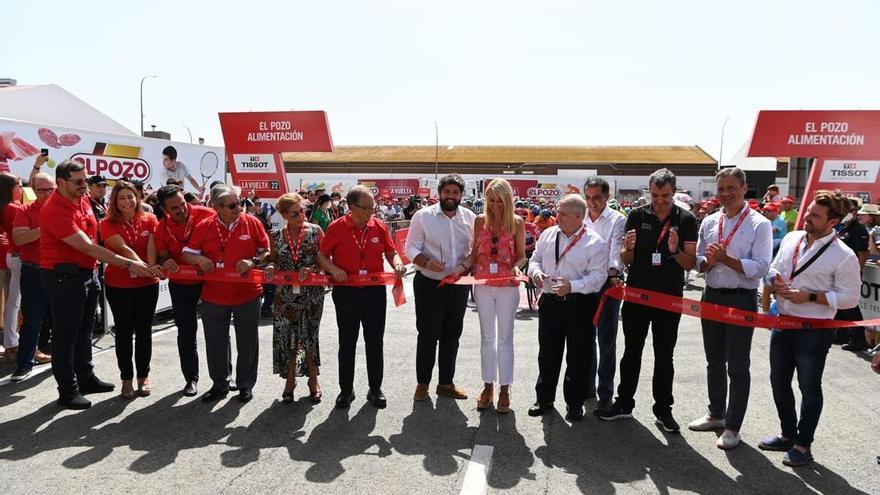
[[855, 178], [254, 142], [848, 134], [400, 245], [498, 281], [391, 188]]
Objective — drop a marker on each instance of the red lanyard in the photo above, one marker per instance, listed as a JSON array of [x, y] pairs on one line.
[[663, 233], [362, 243], [130, 232], [570, 244], [225, 238], [187, 231], [726, 242], [294, 248], [794, 257]]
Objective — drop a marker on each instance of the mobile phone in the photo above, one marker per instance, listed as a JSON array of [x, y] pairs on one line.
[[44, 151]]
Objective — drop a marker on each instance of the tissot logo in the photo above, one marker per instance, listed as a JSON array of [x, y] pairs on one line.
[[849, 171], [254, 163]]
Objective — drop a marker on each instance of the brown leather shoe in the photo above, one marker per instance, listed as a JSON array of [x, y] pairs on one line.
[[127, 390], [504, 400], [421, 392], [487, 397], [41, 357], [452, 390]]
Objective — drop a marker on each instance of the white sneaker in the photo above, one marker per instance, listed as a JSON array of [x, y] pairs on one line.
[[706, 423], [728, 440], [20, 376]]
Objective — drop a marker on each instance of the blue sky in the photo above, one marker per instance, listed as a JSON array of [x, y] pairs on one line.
[[506, 73]]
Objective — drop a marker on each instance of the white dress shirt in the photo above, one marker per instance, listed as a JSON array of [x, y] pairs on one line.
[[440, 238], [752, 244], [585, 265], [611, 226], [836, 274]]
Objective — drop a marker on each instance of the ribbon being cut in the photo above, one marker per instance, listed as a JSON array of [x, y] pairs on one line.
[[723, 314]]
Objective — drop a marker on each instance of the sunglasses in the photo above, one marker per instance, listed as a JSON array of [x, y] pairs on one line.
[[78, 182], [370, 208]]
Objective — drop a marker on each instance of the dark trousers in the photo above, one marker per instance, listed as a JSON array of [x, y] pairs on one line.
[[246, 320], [184, 302], [728, 354], [561, 324], [804, 351], [439, 319], [604, 362], [73, 299], [355, 307], [853, 335], [133, 309], [664, 329], [33, 304]]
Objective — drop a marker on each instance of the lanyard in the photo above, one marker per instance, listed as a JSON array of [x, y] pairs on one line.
[[571, 244], [225, 238], [726, 242], [294, 248], [794, 257], [130, 232], [187, 231], [663, 233], [362, 243]]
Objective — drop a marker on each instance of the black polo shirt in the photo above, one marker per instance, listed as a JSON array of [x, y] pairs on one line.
[[855, 236], [669, 276]]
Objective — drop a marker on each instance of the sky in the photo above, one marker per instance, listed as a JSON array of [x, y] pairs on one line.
[[489, 73]]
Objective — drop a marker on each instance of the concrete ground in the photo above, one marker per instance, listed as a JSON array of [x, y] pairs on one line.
[[168, 443]]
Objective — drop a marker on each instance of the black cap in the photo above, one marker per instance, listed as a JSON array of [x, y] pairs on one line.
[[96, 179]]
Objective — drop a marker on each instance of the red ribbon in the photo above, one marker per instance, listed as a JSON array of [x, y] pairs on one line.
[[499, 281], [719, 313], [229, 275]]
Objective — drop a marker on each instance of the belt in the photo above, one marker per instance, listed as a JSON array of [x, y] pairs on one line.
[[30, 265], [739, 291], [568, 297]]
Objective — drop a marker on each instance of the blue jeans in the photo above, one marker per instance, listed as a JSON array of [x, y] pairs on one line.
[[804, 351], [604, 362], [34, 304]]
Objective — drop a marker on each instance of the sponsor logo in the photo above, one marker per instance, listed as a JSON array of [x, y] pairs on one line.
[[375, 240], [113, 167], [255, 163], [544, 191], [850, 171], [244, 237]]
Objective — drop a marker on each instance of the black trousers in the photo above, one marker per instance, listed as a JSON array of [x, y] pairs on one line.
[[73, 300], [561, 324], [355, 307], [664, 329], [439, 319], [184, 302], [133, 309]]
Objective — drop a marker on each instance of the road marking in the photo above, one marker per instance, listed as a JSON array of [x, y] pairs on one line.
[[475, 478]]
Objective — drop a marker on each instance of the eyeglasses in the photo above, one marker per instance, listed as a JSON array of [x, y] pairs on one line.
[[368, 208], [78, 182], [44, 189]]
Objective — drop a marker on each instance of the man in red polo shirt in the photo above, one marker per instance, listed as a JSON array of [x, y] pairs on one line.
[[26, 235], [68, 250], [231, 240], [356, 244], [174, 232]]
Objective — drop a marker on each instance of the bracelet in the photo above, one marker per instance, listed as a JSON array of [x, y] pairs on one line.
[[127, 265]]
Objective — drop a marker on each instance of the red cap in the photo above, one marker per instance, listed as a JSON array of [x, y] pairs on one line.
[[771, 207], [789, 199]]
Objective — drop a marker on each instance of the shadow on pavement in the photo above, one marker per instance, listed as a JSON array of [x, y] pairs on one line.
[[514, 459], [278, 426], [440, 434]]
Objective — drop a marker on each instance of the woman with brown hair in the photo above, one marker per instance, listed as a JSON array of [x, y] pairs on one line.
[[128, 232], [498, 251]]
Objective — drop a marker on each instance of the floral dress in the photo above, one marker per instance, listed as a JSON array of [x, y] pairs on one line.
[[296, 317]]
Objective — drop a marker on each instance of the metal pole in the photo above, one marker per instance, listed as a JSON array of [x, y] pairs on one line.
[[436, 149], [189, 132], [142, 102], [721, 148]]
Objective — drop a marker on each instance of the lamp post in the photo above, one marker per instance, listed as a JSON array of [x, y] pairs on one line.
[[721, 147], [436, 149], [142, 101], [188, 132]]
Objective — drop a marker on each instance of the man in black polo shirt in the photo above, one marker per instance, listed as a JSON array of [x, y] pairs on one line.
[[855, 236], [659, 245]]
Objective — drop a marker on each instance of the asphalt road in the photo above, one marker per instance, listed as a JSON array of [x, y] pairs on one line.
[[168, 443]]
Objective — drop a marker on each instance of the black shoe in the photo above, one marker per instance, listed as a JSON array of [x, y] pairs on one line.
[[667, 422], [245, 395], [855, 347], [377, 398], [214, 395], [615, 412], [191, 389], [344, 400], [539, 409], [574, 413], [95, 386], [76, 402], [603, 405]]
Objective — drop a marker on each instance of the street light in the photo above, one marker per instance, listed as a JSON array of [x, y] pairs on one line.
[[436, 149], [721, 148], [189, 132], [142, 101]]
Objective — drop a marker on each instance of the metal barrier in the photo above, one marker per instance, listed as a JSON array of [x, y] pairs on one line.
[[396, 225]]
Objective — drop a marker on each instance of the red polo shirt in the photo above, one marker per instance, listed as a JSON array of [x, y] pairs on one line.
[[9, 213], [136, 235], [172, 237], [353, 249], [213, 240], [29, 217], [60, 218]]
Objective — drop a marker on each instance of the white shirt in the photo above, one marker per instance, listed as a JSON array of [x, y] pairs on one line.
[[440, 238], [611, 226], [585, 265], [836, 274], [752, 244], [181, 172]]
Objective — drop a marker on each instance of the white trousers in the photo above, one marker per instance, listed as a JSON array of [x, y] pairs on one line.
[[13, 302], [496, 307]]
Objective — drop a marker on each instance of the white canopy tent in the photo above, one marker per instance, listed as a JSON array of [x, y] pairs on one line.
[[52, 105]]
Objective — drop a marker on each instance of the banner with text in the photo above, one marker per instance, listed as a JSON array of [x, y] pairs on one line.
[[391, 188], [845, 134]]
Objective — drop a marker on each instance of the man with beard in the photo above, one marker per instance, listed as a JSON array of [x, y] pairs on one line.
[[439, 242]]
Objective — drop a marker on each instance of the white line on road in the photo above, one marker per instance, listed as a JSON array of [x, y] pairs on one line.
[[475, 478]]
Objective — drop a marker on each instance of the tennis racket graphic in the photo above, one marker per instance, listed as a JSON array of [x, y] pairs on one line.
[[208, 167]]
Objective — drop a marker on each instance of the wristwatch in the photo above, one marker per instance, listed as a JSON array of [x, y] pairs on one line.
[[812, 297]]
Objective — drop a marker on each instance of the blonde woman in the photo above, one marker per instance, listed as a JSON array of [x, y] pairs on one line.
[[498, 250]]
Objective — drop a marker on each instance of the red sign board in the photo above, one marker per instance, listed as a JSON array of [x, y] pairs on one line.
[[854, 178], [254, 142], [850, 135], [520, 187], [393, 188]]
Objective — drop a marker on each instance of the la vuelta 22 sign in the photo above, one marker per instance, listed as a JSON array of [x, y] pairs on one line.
[[255, 141]]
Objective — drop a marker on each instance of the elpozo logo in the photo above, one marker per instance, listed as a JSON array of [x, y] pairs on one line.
[[114, 161], [544, 191]]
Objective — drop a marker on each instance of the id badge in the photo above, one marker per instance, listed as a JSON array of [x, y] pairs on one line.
[[294, 289], [362, 271], [656, 260], [493, 268], [218, 264]]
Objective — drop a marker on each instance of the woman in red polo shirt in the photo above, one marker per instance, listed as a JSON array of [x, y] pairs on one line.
[[231, 241], [10, 204], [128, 232]]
